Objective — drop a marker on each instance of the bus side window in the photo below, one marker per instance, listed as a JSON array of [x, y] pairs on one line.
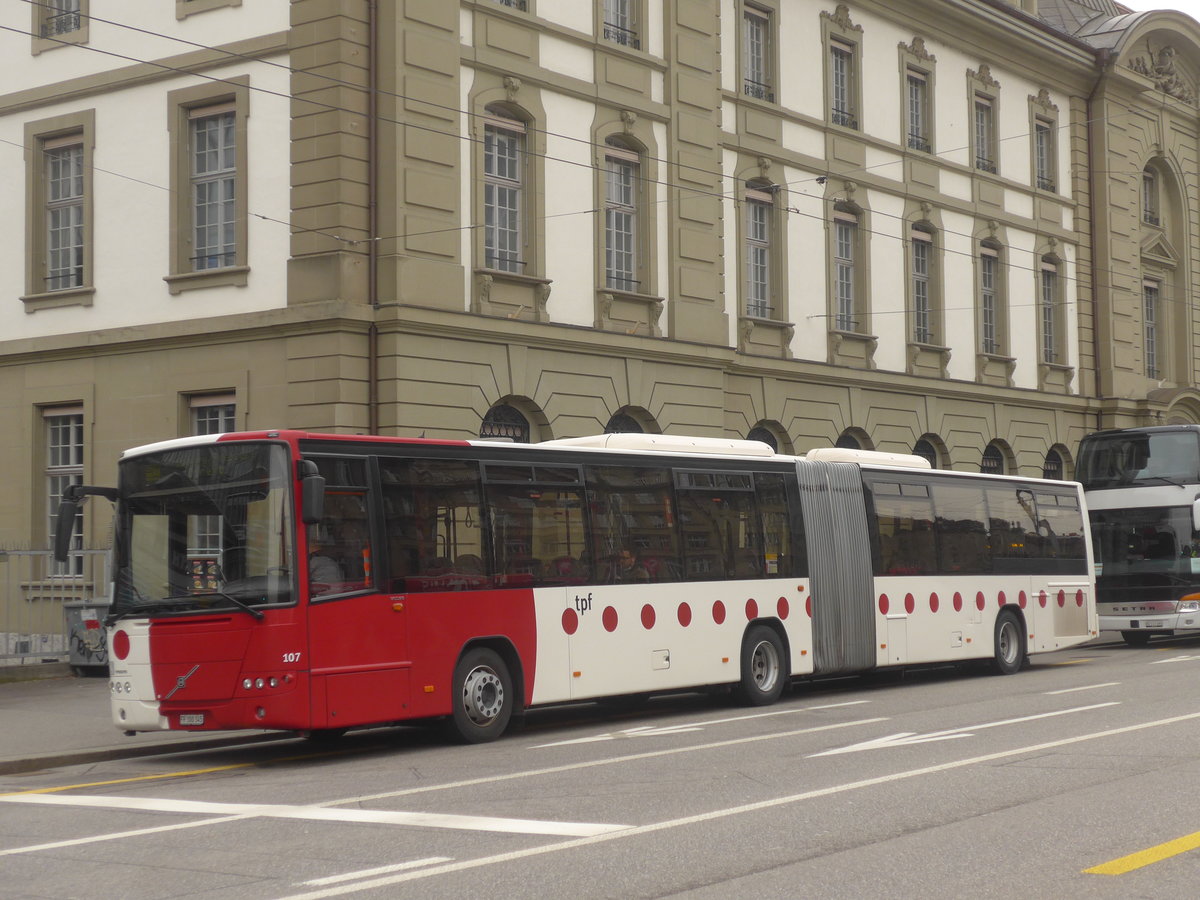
[[434, 525], [783, 548], [632, 508], [905, 519], [961, 530], [340, 545]]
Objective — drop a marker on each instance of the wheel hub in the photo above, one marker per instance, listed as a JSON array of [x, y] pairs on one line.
[[483, 695]]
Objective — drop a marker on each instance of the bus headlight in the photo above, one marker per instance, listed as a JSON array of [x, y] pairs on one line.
[[1188, 606]]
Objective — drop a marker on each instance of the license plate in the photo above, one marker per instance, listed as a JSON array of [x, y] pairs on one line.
[[191, 718], [1152, 624]]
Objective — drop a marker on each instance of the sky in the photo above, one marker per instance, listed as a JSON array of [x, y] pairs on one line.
[[1191, 7]]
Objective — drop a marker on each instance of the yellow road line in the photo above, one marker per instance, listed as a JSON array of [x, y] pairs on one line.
[[185, 774], [1073, 662], [1147, 856]]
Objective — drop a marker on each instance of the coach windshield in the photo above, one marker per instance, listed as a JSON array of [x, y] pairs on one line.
[[205, 527]]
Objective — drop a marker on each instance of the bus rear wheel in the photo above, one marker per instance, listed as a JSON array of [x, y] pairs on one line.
[[483, 696], [1009, 644], [763, 675]]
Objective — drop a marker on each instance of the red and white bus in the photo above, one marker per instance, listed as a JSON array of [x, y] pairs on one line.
[[310, 582]]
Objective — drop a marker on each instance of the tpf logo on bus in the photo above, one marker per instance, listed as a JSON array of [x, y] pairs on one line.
[[583, 604]]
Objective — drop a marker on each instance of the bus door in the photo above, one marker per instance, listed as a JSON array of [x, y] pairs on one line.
[[358, 637], [839, 559]]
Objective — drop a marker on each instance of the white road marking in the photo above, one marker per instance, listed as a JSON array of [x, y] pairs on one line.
[[651, 731], [1086, 687], [471, 782], [639, 830], [1174, 659], [323, 814], [378, 870], [911, 737]]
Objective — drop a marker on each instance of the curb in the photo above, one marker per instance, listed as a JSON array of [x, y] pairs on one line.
[[105, 754]]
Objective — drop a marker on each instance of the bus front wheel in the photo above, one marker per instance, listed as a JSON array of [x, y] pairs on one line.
[[1009, 644], [483, 696], [763, 675], [1136, 638]]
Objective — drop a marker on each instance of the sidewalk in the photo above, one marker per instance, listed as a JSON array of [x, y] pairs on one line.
[[65, 720]]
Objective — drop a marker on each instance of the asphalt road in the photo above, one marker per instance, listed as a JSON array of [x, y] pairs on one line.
[[1072, 778]]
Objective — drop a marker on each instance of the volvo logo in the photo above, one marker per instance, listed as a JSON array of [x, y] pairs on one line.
[[181, 682]]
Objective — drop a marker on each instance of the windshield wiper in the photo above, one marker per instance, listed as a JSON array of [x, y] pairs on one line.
[[241, 604], [1165, 478]]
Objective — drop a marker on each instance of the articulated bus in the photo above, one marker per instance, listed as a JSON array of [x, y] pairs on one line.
[[1143, 493], [296, 581]]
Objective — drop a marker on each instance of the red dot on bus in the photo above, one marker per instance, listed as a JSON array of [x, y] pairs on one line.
[[910, 604], [751, 609], [783, 607], [883, 604], [718, 612], [609, 619], [647, 617], [957, 602], [1042, 599], [1022, 599], [934, 602], [1079, 598], [685, 615], [980, 601], [808, 606], [120, 645], [1001, 599], [570, 621], [1062, 598]]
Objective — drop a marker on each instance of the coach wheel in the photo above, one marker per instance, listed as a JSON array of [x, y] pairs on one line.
[[1136, 638], [1010, 644], [762, 667], [483, 696]]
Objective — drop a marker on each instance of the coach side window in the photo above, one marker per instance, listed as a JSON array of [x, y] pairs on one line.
[[434, 525], [632, 508], [340, 544], [904, 516], [1060, 533]]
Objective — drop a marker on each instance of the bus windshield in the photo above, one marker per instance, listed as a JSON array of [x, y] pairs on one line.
[[204, 527], [1144, 542], [1125, 458]]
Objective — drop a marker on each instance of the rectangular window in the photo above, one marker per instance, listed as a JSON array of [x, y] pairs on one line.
[[918, 111], [989, 330], [213, 153], [1150, 198], [758, 255], [64, 466], [841, 80], [922, 252], [1150, 310], [59, 17], [503, 160], [985, 155], [620, 23], [1048, 302], [64, 215], [721, 534], [845, 242], [620, 220], [632, 516], [1044, 155], [756, 50], [213, 413]]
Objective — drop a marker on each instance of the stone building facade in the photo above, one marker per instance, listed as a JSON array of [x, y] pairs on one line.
[[964, 228]]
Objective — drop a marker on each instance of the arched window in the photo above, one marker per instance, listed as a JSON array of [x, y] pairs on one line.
[[926, 451], [623, 423], [848, 442], [993, 461], [765, 435], [505, 421], [1053, 466]]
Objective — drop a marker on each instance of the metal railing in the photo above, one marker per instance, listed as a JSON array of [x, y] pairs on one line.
[[34, 600]]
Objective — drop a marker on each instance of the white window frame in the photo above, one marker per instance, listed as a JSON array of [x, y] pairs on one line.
[[989, 288], [845, 260], [621, 24], [204, 409], [504, 194], [215, 241], [1150, 204], [63, 437], [843, 60], [922, 262], [622, 173], [1045, 157], [760, 214], [1048, 297], [65, 218], [917, 113], [1151, 311], [984, 129], [757, 29]]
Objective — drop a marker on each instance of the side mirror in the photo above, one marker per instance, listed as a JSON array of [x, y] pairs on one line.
[[1196, 515], [312, 493], [64, 528]]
